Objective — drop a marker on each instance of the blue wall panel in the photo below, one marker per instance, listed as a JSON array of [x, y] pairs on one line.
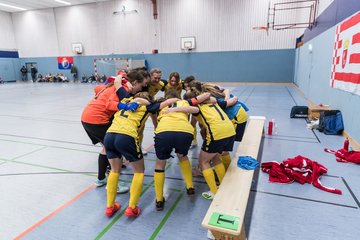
[[240, 66], [9, 54], [337, 11], [313, 78], [9, 69]]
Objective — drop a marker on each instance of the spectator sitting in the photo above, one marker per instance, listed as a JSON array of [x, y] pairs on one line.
[[49, 77], [40, 78], [63, 78], [84, 79], [92, 79], [103, 78]]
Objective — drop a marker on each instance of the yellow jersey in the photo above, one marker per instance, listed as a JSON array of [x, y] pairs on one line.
[[178, 88], [214, 119], [127, 122], [154, 89], [240, 117], [175, 121]]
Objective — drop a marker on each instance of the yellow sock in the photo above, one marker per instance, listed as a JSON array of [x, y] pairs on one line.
[[195, 135], [226, 159], [220, 171], [112, 183], [159, 179], [185, 168], [135, 189], [210, 179]]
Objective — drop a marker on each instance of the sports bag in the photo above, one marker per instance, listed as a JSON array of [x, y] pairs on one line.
[[331, 122], [299, 112]]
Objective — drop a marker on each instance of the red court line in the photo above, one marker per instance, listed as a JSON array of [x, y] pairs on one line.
[[350, 23], [149, 147], [53, 213]]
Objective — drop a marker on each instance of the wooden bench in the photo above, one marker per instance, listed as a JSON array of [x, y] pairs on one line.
[[225, 216]]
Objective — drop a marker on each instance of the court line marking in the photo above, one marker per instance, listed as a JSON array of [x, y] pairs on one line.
[[290, 140], [116, 218], [30, 229], [38, 144], [351, 192], [46, 139], [28, 153], [305, 199], [166, 217]]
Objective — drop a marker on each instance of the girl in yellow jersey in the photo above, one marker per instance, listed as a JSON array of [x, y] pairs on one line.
[[235, 110], [174, 83], [174, 132], [220, 136], [122, 140]]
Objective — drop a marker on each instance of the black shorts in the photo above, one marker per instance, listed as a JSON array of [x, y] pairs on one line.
[[219, 146], [165, 142], [96, 132], [118, 145], [240, 130]]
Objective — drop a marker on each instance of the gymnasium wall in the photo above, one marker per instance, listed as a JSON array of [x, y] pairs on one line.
[[244, 66], [7, 39], [312, 75], [218, 25]]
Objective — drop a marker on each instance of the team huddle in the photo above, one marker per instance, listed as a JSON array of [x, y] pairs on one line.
[[116, 118]]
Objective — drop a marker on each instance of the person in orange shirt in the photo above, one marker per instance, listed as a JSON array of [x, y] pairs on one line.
[[97, 116]]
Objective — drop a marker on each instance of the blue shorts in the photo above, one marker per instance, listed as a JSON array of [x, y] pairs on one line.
[[117, 145], [219, 146], [165, 142]]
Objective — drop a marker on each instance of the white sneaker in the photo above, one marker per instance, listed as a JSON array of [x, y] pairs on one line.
[[121, 188], [208, 195], [100, 183]]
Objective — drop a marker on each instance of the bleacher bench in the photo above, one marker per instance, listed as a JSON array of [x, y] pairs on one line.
[[225, 216]]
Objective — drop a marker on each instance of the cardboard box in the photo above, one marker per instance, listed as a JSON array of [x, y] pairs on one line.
[[314, 110]]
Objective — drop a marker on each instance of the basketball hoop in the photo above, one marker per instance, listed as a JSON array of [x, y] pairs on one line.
[[261, 28], [187, 49]]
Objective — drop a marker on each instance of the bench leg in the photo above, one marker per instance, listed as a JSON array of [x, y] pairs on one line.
[[225, 236]]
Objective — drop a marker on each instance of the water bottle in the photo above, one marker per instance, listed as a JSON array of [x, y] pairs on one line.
[[271, 126], [346, 144]]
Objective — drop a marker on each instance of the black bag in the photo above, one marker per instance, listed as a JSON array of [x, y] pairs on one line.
[[299, 112], [331, 122]]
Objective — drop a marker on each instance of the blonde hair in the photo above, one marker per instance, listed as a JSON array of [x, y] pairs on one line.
[[144, 95], [205, 87]]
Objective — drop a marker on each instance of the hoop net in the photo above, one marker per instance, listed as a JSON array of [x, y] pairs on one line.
[[261, 28]]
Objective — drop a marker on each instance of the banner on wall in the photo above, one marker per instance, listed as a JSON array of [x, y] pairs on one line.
[[345, 72], [65, 62]]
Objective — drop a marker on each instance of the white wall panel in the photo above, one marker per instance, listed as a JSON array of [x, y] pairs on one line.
[[36, 33], [7, 39], [77, 24], [218, 25]]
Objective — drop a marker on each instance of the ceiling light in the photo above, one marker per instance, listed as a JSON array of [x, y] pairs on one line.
[[63, 2], [10, 6]]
